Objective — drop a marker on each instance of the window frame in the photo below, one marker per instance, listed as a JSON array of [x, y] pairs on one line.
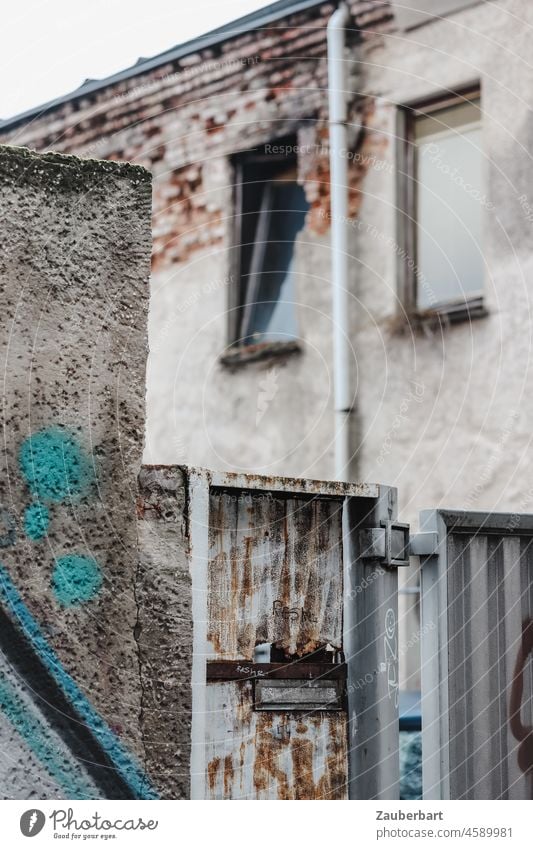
[[460, 309], [239, 300]]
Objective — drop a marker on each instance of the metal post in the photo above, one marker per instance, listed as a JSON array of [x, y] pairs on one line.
[[371, 651]]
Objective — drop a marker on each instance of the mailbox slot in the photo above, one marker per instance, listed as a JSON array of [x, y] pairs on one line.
[[291, 694]]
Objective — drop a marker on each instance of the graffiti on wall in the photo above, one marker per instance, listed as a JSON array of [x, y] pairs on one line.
[[57, 470]]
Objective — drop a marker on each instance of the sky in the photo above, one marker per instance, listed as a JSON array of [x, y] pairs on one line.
[[49, 47]]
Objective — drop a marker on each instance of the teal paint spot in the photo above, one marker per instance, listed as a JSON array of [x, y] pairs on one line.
[[55, 465], [36, 521], [122, 760], [37, 737], [76, 579]]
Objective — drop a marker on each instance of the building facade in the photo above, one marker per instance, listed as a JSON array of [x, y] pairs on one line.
[[234, 128]]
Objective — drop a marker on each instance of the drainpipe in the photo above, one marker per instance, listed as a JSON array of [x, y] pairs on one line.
[[338, 113]]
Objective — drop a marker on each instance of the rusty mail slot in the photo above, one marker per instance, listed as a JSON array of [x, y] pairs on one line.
[[298, 695], [287, 686]]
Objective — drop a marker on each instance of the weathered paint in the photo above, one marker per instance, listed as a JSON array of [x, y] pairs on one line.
[[122, 761], [275, 573], [36, 520], [281, 755], [76, 579], [55, 466]]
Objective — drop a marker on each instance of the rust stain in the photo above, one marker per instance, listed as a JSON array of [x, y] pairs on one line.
[[228, 776], [244, 698], [302, 769], [247, 583], [275, 574], [212, 770], [268, 778], [333, 783], [273, 755]]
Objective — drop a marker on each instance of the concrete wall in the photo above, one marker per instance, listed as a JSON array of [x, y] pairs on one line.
[[74, 268], [164, 596]]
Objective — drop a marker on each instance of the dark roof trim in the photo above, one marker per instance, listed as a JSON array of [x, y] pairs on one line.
[[255, 20]]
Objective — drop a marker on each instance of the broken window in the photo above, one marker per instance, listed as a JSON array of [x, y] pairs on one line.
[[442, 203], [270, 212]]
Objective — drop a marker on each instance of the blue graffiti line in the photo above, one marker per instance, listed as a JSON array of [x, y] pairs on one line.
[[123, 762], [37, 737]]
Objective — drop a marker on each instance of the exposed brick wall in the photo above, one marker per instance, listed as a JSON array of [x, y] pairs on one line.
[[183, 120]]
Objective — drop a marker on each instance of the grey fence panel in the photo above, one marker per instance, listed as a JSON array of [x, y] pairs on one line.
[[477, 686]]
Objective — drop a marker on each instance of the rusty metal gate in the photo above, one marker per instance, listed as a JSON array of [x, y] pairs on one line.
[[295, 672], [477, 627]]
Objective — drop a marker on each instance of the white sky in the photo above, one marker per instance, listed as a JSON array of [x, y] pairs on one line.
[[49, 47]]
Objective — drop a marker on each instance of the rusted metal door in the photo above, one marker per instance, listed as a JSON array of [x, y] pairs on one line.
[[477, 655], [295, 670]]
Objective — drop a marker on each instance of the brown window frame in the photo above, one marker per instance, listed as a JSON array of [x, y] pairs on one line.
[[407, 218]]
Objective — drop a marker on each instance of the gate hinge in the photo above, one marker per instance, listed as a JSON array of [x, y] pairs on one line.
[[389, 544]]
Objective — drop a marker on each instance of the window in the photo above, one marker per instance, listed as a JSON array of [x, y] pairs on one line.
[[442, 201], [270, 212]]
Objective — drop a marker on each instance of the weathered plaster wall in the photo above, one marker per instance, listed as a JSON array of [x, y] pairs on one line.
[[74, 268], [465, 433], [445, 414]]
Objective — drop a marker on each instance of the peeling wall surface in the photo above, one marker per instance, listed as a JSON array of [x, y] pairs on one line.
[[253, 755], [74, 268], [274, 579], [275, 574], [464, 438]]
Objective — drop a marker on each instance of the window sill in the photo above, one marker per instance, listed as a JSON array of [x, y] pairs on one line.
[[440, 316], [240, 355]]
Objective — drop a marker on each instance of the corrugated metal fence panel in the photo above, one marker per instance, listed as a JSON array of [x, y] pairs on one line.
[[275, 573], [485, 566]]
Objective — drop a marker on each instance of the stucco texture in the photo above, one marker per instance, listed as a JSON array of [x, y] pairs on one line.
[[74, 267]]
